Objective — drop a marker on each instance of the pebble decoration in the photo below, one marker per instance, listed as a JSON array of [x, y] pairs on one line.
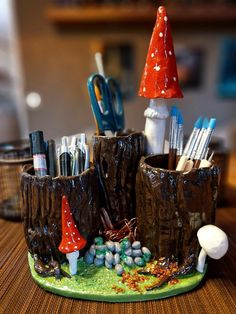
[[117, 254]]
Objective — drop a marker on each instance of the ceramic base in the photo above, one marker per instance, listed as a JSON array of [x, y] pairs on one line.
[[95, 283]]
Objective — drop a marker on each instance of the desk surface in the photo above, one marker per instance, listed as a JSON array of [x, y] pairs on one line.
[[216, 294]]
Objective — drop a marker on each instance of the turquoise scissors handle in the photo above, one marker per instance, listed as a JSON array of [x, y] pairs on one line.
[[108, 111]]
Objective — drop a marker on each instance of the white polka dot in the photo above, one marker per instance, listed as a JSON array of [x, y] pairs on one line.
[[144, 89], [157, 67], [76, 247], [161, 34], [163, 92], [174, 78], [66, 233], [75, 226], [71, 213], [152, 55], [65, 211], [69, 242], [67, 248], [165, 18], [78, 238], [170, 53], [62, 247], [73, 232]]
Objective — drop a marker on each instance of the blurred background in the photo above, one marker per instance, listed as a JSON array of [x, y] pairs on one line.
[[47, 53]]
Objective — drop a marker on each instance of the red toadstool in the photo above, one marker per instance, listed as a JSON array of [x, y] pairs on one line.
[[159, 80], [72, 241]]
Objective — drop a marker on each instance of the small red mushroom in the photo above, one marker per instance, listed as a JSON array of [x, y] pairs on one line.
[[160, 78], [72, 241]]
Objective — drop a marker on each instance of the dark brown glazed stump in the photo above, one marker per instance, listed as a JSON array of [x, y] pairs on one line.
[[172, 206], [116, 159], [41, 210]]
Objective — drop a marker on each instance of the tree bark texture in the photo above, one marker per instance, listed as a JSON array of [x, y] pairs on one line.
[[116, 159], [172, 206], [41, 210]]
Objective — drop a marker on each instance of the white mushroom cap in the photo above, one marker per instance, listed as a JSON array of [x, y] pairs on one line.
[[213, 240]]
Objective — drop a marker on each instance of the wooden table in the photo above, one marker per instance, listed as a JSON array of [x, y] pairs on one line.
[[216, 294]]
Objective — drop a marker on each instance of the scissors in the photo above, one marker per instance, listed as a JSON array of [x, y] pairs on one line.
[[106, 103]]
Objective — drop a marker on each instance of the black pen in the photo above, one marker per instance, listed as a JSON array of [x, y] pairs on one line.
[[38, 151], [51, 158], [65, 158]]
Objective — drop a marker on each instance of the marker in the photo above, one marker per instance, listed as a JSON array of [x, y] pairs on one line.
[[205, 140], [37, 147], [65, 158], [51, 158], [172, 137]]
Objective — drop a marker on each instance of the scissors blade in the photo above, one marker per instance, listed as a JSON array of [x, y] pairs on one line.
[[101, 108]]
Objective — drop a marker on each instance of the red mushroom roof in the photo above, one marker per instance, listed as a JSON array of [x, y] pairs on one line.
[[160, 78], [71, 238]]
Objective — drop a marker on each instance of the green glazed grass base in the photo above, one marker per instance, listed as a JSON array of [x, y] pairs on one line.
[[95, 284]]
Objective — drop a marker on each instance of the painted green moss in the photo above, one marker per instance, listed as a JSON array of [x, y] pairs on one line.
[[95, 283]]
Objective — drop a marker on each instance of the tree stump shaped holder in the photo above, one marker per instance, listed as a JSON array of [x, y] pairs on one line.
[[41, 210], [171, 206], [116, 160]]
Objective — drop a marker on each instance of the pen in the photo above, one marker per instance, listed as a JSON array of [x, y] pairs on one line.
[[51, 158], [37, 147], [172, 137], [65, 158]]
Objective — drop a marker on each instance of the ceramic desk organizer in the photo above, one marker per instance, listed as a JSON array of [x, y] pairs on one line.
[[93, 216]]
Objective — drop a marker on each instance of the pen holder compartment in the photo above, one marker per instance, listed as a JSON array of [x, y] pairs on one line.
[[13, 157], [172, 206], [116, 160], [41, 210]]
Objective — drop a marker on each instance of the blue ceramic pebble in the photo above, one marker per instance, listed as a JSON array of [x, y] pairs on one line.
[[136, 245], [125, 244], [109, 257], [92, 250], [128, 260], [117, 247], [108, 265], [98, 240], [110, 245], [139, 261], [129, 251], [119, 269], [100, 256], [101, 248], [146, 254], [137, 253], [116, 259], [88, 258], [98, 262]]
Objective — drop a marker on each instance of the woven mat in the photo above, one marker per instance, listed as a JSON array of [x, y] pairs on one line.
[[19, 293]]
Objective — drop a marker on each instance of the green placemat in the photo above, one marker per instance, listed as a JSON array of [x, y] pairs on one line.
[[95, 283]]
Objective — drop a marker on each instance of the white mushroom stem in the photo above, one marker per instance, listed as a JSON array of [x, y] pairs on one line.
[[72, 258], [201, 261], [156, 115]]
